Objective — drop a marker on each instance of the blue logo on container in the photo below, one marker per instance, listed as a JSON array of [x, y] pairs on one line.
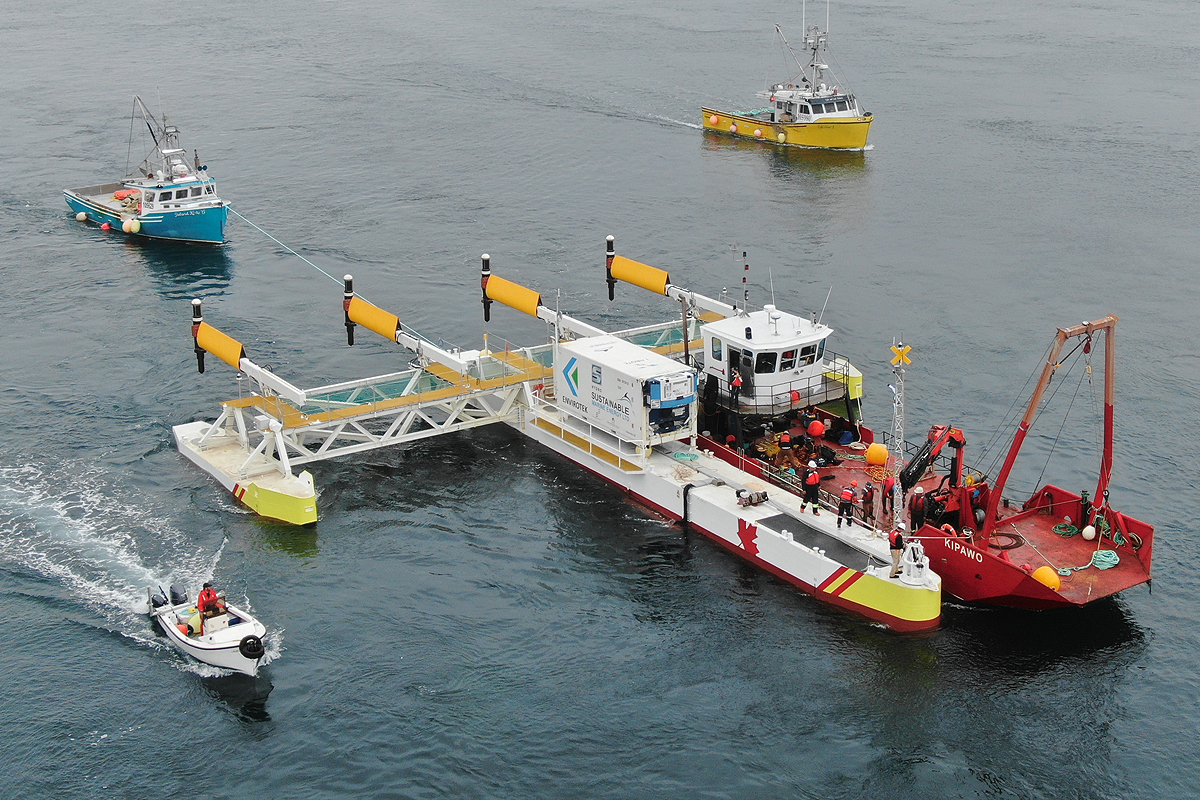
[[571, 373]]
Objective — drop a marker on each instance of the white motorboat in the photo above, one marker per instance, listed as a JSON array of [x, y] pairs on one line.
[[232, 639]]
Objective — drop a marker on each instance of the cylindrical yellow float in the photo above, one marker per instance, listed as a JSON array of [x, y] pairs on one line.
[[373, 318], [513, 295], [652, 279], [224, 347]]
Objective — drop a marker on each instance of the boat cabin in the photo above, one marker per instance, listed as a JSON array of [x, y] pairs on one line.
[[778, 356], [790, 103]]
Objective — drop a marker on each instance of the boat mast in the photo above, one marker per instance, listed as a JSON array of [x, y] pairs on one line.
[[898, 361], [1084, 329]]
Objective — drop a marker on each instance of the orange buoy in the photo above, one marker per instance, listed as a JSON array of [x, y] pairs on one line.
[[713, 120], [816, 428], [1048, 577], [877, 455], [733, 128], [758, 132]]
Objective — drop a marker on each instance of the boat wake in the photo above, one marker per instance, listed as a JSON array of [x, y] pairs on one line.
[[70, 533], [695, 125]]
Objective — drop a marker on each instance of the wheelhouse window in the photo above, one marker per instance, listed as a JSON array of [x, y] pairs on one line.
[[788, 361], [808, 354], [181, 194], [841, 105], [805, 109], [779, 104], [717, 351], [765, 363], [195, 191], [208, 189]]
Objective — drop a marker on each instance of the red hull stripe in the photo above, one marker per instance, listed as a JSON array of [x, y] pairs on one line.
[[839, 572], [847, 584]]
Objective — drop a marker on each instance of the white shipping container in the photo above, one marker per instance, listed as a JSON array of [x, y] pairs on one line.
[[602, 379]]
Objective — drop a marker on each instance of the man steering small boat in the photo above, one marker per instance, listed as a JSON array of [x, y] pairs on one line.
[[209, 603]]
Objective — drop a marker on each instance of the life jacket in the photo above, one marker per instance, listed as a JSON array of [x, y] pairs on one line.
[[737, 380], [847, 494], [868, 494], [918, 502], [785, 441], [895, 540], [813, 479]]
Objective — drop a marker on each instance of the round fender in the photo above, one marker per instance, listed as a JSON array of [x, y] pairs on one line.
[[251, 647]]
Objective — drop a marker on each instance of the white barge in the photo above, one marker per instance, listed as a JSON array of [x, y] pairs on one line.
[[623, 405]]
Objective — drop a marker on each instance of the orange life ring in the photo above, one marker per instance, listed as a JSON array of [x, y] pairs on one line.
[[948, 528]]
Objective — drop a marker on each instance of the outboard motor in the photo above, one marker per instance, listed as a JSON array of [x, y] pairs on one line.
[[178, 595], [157, 599]]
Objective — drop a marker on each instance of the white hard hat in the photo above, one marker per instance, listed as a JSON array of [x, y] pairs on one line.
[[812, 465], [918, 490], [900, 526]]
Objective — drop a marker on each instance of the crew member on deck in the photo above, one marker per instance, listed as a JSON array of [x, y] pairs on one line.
[[812, 485], [916, 508], [889, 493], [896, 546], [735, 389], [868, 504], [846, 506]]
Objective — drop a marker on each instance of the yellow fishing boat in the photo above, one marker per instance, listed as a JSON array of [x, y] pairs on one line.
[[810, 109]]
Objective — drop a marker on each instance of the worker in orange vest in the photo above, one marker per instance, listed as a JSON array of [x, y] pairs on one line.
[[846, 506], [812, 485], [735, 388]]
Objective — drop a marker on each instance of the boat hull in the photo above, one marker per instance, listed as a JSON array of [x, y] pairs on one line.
[[205, 225], [217, 651], [833, 133], [763, 538]]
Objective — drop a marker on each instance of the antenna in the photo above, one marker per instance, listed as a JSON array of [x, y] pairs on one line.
[[745, 286], [826, 17], [826, 304], [771, 276]]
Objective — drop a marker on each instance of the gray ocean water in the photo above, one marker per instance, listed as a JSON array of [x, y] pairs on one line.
[[473, 616]]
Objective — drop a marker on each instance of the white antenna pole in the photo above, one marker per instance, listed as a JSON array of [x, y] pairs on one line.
[[804, 16], [771, 276], [826, 16], [826, 304]]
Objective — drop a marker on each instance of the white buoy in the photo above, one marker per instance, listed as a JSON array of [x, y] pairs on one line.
[[1089, 532], [782, 138], [81, 216], [126, 226]]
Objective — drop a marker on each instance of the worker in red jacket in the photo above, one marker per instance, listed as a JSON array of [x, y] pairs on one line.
[[208, 603]]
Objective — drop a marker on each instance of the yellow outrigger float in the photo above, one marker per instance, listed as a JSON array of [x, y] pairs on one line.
[[807, 110]]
